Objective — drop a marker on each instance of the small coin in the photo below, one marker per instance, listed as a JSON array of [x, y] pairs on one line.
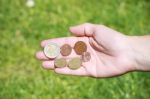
[[61, 62], [51, 50], [74, 63], [86, 56], [80, 47], [65, 50]]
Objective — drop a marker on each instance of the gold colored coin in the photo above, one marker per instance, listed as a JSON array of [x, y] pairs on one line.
[[74, 63], [61, 62], [80, 47]]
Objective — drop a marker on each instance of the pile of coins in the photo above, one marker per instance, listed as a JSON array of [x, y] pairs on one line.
[[52, 50]]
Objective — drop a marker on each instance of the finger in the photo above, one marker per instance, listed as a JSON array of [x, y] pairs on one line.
[[58, 41], [41, 56], [86, 29], [95, 45], [69, 40], [48, 64], [80, 72]]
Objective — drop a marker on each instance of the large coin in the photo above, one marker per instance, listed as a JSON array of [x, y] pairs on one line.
[[80, 47], [74, 63], [61, 62], [86, 56], [65, 50], [51, 50]]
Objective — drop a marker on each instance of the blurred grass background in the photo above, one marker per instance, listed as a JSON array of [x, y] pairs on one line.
[[22, 29]]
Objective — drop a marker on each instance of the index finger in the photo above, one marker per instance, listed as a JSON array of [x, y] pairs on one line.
[[69, 40]]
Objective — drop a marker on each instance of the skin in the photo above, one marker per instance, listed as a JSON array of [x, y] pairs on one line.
[[112, 53]]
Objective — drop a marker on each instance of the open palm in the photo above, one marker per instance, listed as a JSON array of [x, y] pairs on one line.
[[110, 52]]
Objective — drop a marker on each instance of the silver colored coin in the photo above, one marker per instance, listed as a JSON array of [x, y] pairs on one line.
[[86, 56], [51, 50]]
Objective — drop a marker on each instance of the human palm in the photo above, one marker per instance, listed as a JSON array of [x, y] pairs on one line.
[[110, 53]]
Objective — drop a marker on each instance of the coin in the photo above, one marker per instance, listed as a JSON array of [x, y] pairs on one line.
[[74, 63], [65, 50], [80, 47], [86, 56], [51, 50], [61, 62]]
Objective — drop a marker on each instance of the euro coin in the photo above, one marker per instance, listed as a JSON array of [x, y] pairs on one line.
[[86, 56], [74, 63], [80, 47], [61, 62], [65, 50], [51, 50]]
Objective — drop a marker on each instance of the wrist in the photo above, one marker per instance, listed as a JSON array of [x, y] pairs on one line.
[[140, 49]]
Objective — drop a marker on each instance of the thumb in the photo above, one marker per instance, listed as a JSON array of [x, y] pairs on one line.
[[85, 29]]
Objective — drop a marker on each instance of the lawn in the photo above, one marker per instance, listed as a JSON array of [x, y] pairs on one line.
[[23, 28]]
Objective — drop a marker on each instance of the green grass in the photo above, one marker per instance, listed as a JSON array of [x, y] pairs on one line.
[[22, 29]]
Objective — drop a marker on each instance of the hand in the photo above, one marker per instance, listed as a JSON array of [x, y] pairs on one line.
[[110, 52]]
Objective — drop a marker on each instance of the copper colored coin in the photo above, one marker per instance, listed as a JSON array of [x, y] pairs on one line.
[[74, 63], [66, 50], [61, 62], [80, 47], [86, 56]]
